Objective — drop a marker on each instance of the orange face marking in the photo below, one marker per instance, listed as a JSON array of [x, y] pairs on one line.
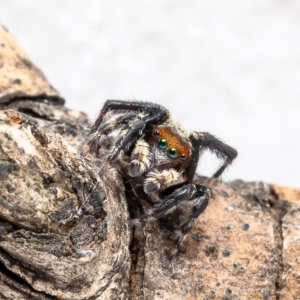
[[174, 140]]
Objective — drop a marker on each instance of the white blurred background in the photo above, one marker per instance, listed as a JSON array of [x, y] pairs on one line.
[[228, 67]]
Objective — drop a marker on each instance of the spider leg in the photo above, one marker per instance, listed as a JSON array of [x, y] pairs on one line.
[[127, 138], [115, 123], [138, 129], [158, 112], [182, 192], [175, 195], [106, 128], [154, 114], [198, 207], [204, 140]]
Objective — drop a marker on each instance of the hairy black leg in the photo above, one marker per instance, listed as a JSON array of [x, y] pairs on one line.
[[177, 194], [116, 123], [154, 114], [128, 138], [203, 196], [156, 111], [205, 140], [180, 193], [190, 220], [106, 128]]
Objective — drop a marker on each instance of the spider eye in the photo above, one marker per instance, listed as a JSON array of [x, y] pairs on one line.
[[156, 132], [183, 156], [162, 144], [172, 153]]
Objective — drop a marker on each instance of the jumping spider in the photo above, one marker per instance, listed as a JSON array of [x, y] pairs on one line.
[[156, 155]]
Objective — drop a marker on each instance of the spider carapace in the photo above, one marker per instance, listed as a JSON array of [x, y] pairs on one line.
[[152, 150]]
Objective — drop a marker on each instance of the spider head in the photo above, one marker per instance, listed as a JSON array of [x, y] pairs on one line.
[[171, 148]]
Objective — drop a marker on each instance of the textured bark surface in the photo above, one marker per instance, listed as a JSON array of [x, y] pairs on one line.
[[20, 78], [64, 230]]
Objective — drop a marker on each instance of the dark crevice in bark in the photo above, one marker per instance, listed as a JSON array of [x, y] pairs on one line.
[[31, 113], [133, 250], [136, 247], [10, 99], [279, 258], [278, 211], [137, 267]]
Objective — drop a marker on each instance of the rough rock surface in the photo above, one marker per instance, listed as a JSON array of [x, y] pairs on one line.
[[64, 230]]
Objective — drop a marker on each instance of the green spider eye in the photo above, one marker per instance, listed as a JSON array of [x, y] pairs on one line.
[[172, 153], [162, 144]]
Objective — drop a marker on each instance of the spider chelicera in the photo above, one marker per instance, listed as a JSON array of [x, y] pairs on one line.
[[154, 152]]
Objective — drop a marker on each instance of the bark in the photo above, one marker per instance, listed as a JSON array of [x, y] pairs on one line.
[[64, 230]]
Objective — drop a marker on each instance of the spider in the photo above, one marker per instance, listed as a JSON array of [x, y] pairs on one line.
[[157, 155]]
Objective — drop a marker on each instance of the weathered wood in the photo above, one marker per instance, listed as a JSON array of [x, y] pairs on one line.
[[64, 230], [20, 78]]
